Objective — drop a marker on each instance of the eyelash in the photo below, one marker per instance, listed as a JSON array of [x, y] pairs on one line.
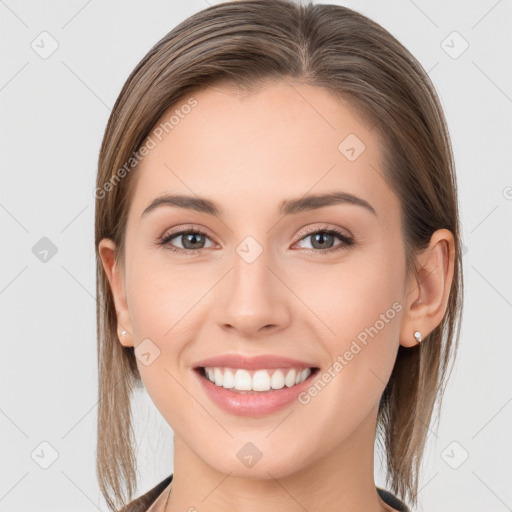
[[346, 241]]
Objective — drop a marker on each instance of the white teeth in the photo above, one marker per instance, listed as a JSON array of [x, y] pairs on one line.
[[229, 379], [218, 376], [277, 380], [259, 380], [242, 380], [289, 380]]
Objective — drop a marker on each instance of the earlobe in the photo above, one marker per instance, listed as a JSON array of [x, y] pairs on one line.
[[428, 294], [107, 251]]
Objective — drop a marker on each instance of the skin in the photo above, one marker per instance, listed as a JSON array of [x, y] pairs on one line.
[[249, 152]]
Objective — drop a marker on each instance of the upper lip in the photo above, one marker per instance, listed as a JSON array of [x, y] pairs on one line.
[[252, 362]]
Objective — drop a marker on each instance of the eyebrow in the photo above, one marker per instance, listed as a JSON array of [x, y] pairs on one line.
[[287, 207]]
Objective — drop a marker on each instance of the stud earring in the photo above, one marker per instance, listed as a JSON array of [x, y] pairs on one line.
[[124, 332], [417, 336]]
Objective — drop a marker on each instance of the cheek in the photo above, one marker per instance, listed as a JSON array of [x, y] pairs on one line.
[[161, 293], [358, 306], [160, 306], [361, 303], [351, 295]]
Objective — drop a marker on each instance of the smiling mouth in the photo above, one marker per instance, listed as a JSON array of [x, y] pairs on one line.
[[243, 381]]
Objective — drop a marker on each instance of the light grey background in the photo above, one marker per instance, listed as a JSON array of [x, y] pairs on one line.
[[53, 114]]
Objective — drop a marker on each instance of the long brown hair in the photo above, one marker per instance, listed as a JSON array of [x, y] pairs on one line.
[[244, 43]]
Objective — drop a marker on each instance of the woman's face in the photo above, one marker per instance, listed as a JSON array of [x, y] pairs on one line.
[[264, 278]]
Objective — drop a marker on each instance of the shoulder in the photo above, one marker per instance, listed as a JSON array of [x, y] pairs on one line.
[[392, 500], [142, 503]]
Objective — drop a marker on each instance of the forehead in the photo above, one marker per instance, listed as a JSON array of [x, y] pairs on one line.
[[252, 149]]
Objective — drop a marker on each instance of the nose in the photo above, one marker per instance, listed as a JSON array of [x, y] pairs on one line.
[[253, 302]]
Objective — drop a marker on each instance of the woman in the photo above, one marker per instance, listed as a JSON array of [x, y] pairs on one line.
[[279, 262]]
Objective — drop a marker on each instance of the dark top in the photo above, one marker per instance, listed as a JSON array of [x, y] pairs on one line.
[[142, 503]]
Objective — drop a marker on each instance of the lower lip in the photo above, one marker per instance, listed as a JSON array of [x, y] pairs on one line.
[[253, 404]]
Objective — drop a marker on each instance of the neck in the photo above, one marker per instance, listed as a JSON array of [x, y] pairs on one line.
[[341, 480]]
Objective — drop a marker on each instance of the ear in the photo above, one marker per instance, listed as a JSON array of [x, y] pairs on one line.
[[429, 288], [107, 251]]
